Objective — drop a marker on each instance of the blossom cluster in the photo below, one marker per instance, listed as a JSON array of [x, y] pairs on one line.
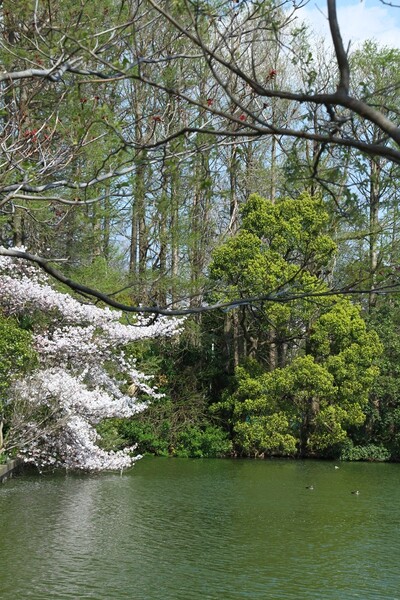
[[84, 373]]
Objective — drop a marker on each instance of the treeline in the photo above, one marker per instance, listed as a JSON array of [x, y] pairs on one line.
[[150, 168], [315, 376]]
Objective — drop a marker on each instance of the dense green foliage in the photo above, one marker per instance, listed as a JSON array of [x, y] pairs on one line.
[[382, 427], [179, 423], [316, 384], [16, 352], [308, 406], [16, 357]]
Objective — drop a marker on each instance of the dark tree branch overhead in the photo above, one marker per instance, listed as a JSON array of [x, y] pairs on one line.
[[341, 55], [340, 97], [280, 296]]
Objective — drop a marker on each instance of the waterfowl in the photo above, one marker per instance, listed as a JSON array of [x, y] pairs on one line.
[[356, 492], [309, 487]]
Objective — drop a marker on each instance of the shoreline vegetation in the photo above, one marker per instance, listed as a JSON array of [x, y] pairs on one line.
[[211, 442]]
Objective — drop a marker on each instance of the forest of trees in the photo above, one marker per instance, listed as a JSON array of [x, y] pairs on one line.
[[205, 158]]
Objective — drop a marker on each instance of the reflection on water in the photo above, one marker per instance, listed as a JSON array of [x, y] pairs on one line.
[[175, 529]]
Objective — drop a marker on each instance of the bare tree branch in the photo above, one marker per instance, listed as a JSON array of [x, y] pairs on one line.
[[281, 297]]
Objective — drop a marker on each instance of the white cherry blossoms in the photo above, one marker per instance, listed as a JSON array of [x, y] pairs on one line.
[[84, 375]]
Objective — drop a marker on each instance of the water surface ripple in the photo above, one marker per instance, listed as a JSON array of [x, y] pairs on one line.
[[179, 529]]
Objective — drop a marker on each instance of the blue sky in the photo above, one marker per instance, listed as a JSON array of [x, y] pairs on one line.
[[359, 20]]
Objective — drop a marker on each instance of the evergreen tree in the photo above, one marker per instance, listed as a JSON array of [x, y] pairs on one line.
[[319, 356]]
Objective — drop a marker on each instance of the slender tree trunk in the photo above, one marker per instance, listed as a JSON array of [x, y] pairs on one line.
[[272, 351], [374, 197], [133, 255], [18, 228], [97, 247], [174, 237], [272, 192], [233, 197], [139, 243], [231, 337], [107, 225]]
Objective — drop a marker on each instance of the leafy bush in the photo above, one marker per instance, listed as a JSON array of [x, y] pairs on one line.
[[3, 458], [145, 435], [110, 438], [369, 452], [210, 442], [16, 352], [16, 357]]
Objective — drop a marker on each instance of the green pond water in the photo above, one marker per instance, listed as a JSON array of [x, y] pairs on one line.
[[204, 529]]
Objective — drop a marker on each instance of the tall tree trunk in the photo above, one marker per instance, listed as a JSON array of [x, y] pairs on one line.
[[233, 197], [139, 242], [374, 197], [18, 227], [107, 225]]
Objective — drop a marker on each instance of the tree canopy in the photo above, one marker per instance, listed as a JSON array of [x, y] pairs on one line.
[[94, 105]]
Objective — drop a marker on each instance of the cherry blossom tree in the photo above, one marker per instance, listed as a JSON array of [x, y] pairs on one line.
[[84, 375]]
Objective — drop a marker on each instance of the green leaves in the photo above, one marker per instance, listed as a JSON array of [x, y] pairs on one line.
[[268, 434], [16, 352], [317, 385], [314, 400], [276, 242]]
